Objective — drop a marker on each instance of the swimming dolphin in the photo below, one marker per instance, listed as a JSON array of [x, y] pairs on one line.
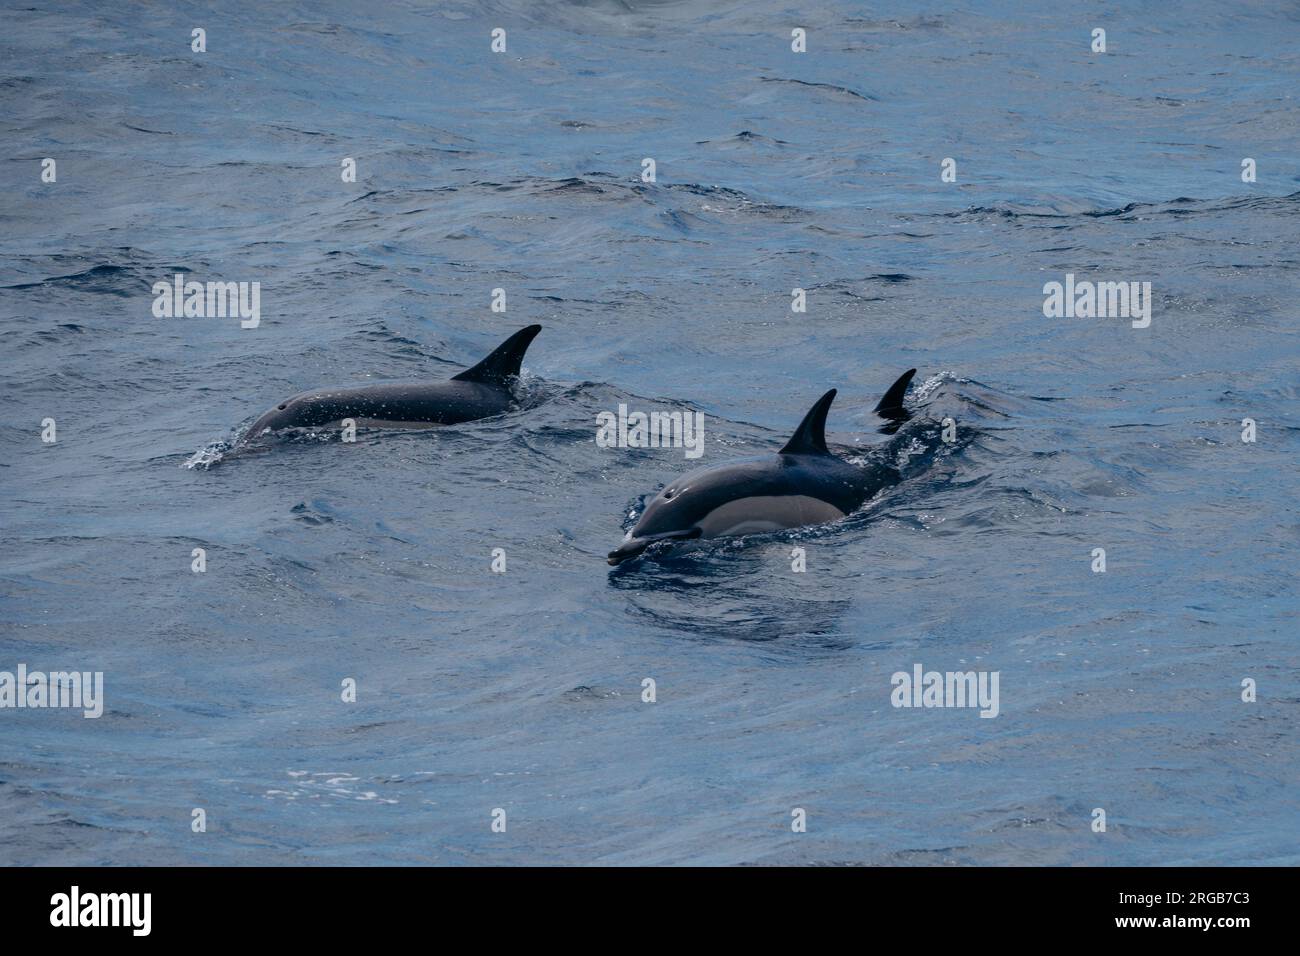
[[802, 484], [478, 392]]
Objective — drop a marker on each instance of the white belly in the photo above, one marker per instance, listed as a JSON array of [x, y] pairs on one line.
[[766, 513]]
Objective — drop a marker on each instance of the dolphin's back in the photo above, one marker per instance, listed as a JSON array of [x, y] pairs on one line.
[[438, 403], [823, 476]]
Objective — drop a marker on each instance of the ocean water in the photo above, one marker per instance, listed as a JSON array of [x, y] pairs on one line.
[[522, 691]]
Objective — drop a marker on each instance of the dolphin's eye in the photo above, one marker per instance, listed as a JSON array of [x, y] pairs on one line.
[[668, 495], [283, 407]]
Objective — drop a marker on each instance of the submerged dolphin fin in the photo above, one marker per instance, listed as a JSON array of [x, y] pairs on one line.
[[810, 437], [891, 406], [504, 361]]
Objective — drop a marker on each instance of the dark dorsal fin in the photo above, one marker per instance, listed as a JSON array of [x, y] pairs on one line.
[[891, 406], [810, 437], [504, 360]]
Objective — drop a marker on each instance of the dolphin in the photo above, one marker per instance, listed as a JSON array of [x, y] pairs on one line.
[[802, 484], [478, 392]]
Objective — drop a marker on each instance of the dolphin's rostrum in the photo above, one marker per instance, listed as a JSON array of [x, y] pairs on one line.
[[802, 484], [478, 392]]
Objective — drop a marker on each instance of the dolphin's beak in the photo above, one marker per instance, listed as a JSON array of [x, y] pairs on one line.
[[633, 546], [630, 548]]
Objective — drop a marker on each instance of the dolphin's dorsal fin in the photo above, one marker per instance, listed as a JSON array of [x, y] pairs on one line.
[[891, 406], [504, 360], [810, 437]]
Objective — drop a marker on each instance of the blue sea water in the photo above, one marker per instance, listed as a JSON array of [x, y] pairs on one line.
[[775, 170]]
